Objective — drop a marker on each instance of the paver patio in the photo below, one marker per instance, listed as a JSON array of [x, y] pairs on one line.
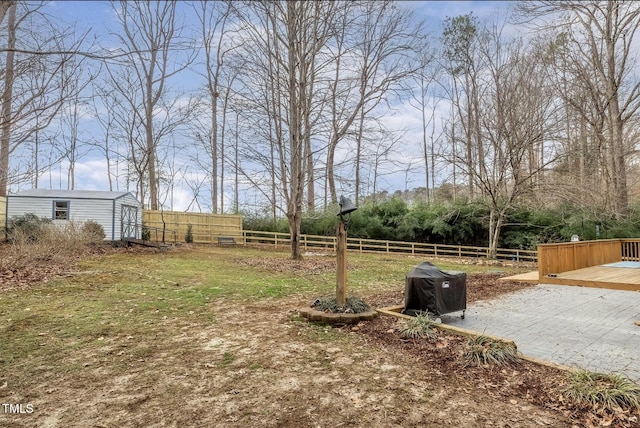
[[590, 328]]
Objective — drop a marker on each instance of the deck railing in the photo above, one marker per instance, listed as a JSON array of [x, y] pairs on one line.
[[360, 245], [631, 250], [568, 256]]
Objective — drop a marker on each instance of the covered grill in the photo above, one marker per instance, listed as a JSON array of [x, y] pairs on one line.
[[428, 288]]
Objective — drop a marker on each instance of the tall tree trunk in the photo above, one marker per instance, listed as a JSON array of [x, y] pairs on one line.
[[7, 94], [236, 168], [308, 151], [359, 137], [470, 132], [496, 219], [425, 157], [619, 167], [214, 153], [308, 167], [222, 145], [296, 74], [36, 158], [151, 159]]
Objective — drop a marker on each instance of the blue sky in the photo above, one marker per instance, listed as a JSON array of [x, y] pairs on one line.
[[96, 13], [98, 18]]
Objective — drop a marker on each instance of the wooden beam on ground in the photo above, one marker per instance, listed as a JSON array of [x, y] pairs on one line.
[[528, 277]]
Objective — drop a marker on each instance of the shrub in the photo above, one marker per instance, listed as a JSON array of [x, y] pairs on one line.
[[188, 237], [93, 231], [485, 350], [34, 241], [421, 326], [602, 390], [352, 305], [28, 227], [146, 233]]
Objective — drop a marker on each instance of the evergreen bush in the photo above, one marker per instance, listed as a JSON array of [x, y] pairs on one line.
[[188, 237], [460, 222], [146, 233]]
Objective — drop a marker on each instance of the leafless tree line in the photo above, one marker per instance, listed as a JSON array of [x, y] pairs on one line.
[[294, 102], [547, 118]]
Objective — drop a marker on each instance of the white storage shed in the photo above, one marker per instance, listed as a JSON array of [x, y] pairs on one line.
[[119, 213]]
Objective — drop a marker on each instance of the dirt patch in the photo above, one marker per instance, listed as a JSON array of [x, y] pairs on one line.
[[312, 265], [260, 366]]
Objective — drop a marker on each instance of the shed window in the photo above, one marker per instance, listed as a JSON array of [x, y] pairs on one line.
[[61, 210]]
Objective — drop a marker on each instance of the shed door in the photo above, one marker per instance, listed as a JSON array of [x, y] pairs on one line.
[[129, 221]]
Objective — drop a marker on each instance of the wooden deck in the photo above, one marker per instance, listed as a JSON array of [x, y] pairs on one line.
[[599, 277], [528, 277]]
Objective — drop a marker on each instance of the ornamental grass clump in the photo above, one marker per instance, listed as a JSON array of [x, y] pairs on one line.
[[600, 390], [420, 326], [485, 350]]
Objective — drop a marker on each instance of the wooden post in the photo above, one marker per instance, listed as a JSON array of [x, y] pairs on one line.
[[341, 276]]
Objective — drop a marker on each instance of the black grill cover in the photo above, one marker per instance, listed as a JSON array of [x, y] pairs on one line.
[[427, 288]]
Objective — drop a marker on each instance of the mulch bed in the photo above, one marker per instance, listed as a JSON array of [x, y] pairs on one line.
[[515, 382]]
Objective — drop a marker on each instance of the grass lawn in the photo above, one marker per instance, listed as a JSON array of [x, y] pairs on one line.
[[207, 336], [131, 294]]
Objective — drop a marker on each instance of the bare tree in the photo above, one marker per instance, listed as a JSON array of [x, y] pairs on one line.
[[286, 40], [104, 107], [35, 84], [460, 40], [72, 144], [126, 127], [155, 51], [381, 151], [214, 20], [369, 69], [601, 57], [422, 98], [517, 112], [4, 7]]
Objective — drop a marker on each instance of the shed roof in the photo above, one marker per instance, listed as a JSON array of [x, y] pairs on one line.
[[71, 194]]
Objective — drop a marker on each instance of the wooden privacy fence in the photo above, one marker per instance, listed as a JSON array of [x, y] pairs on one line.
[[316, 242], [568, 256], [205, 228], [3, 218]]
